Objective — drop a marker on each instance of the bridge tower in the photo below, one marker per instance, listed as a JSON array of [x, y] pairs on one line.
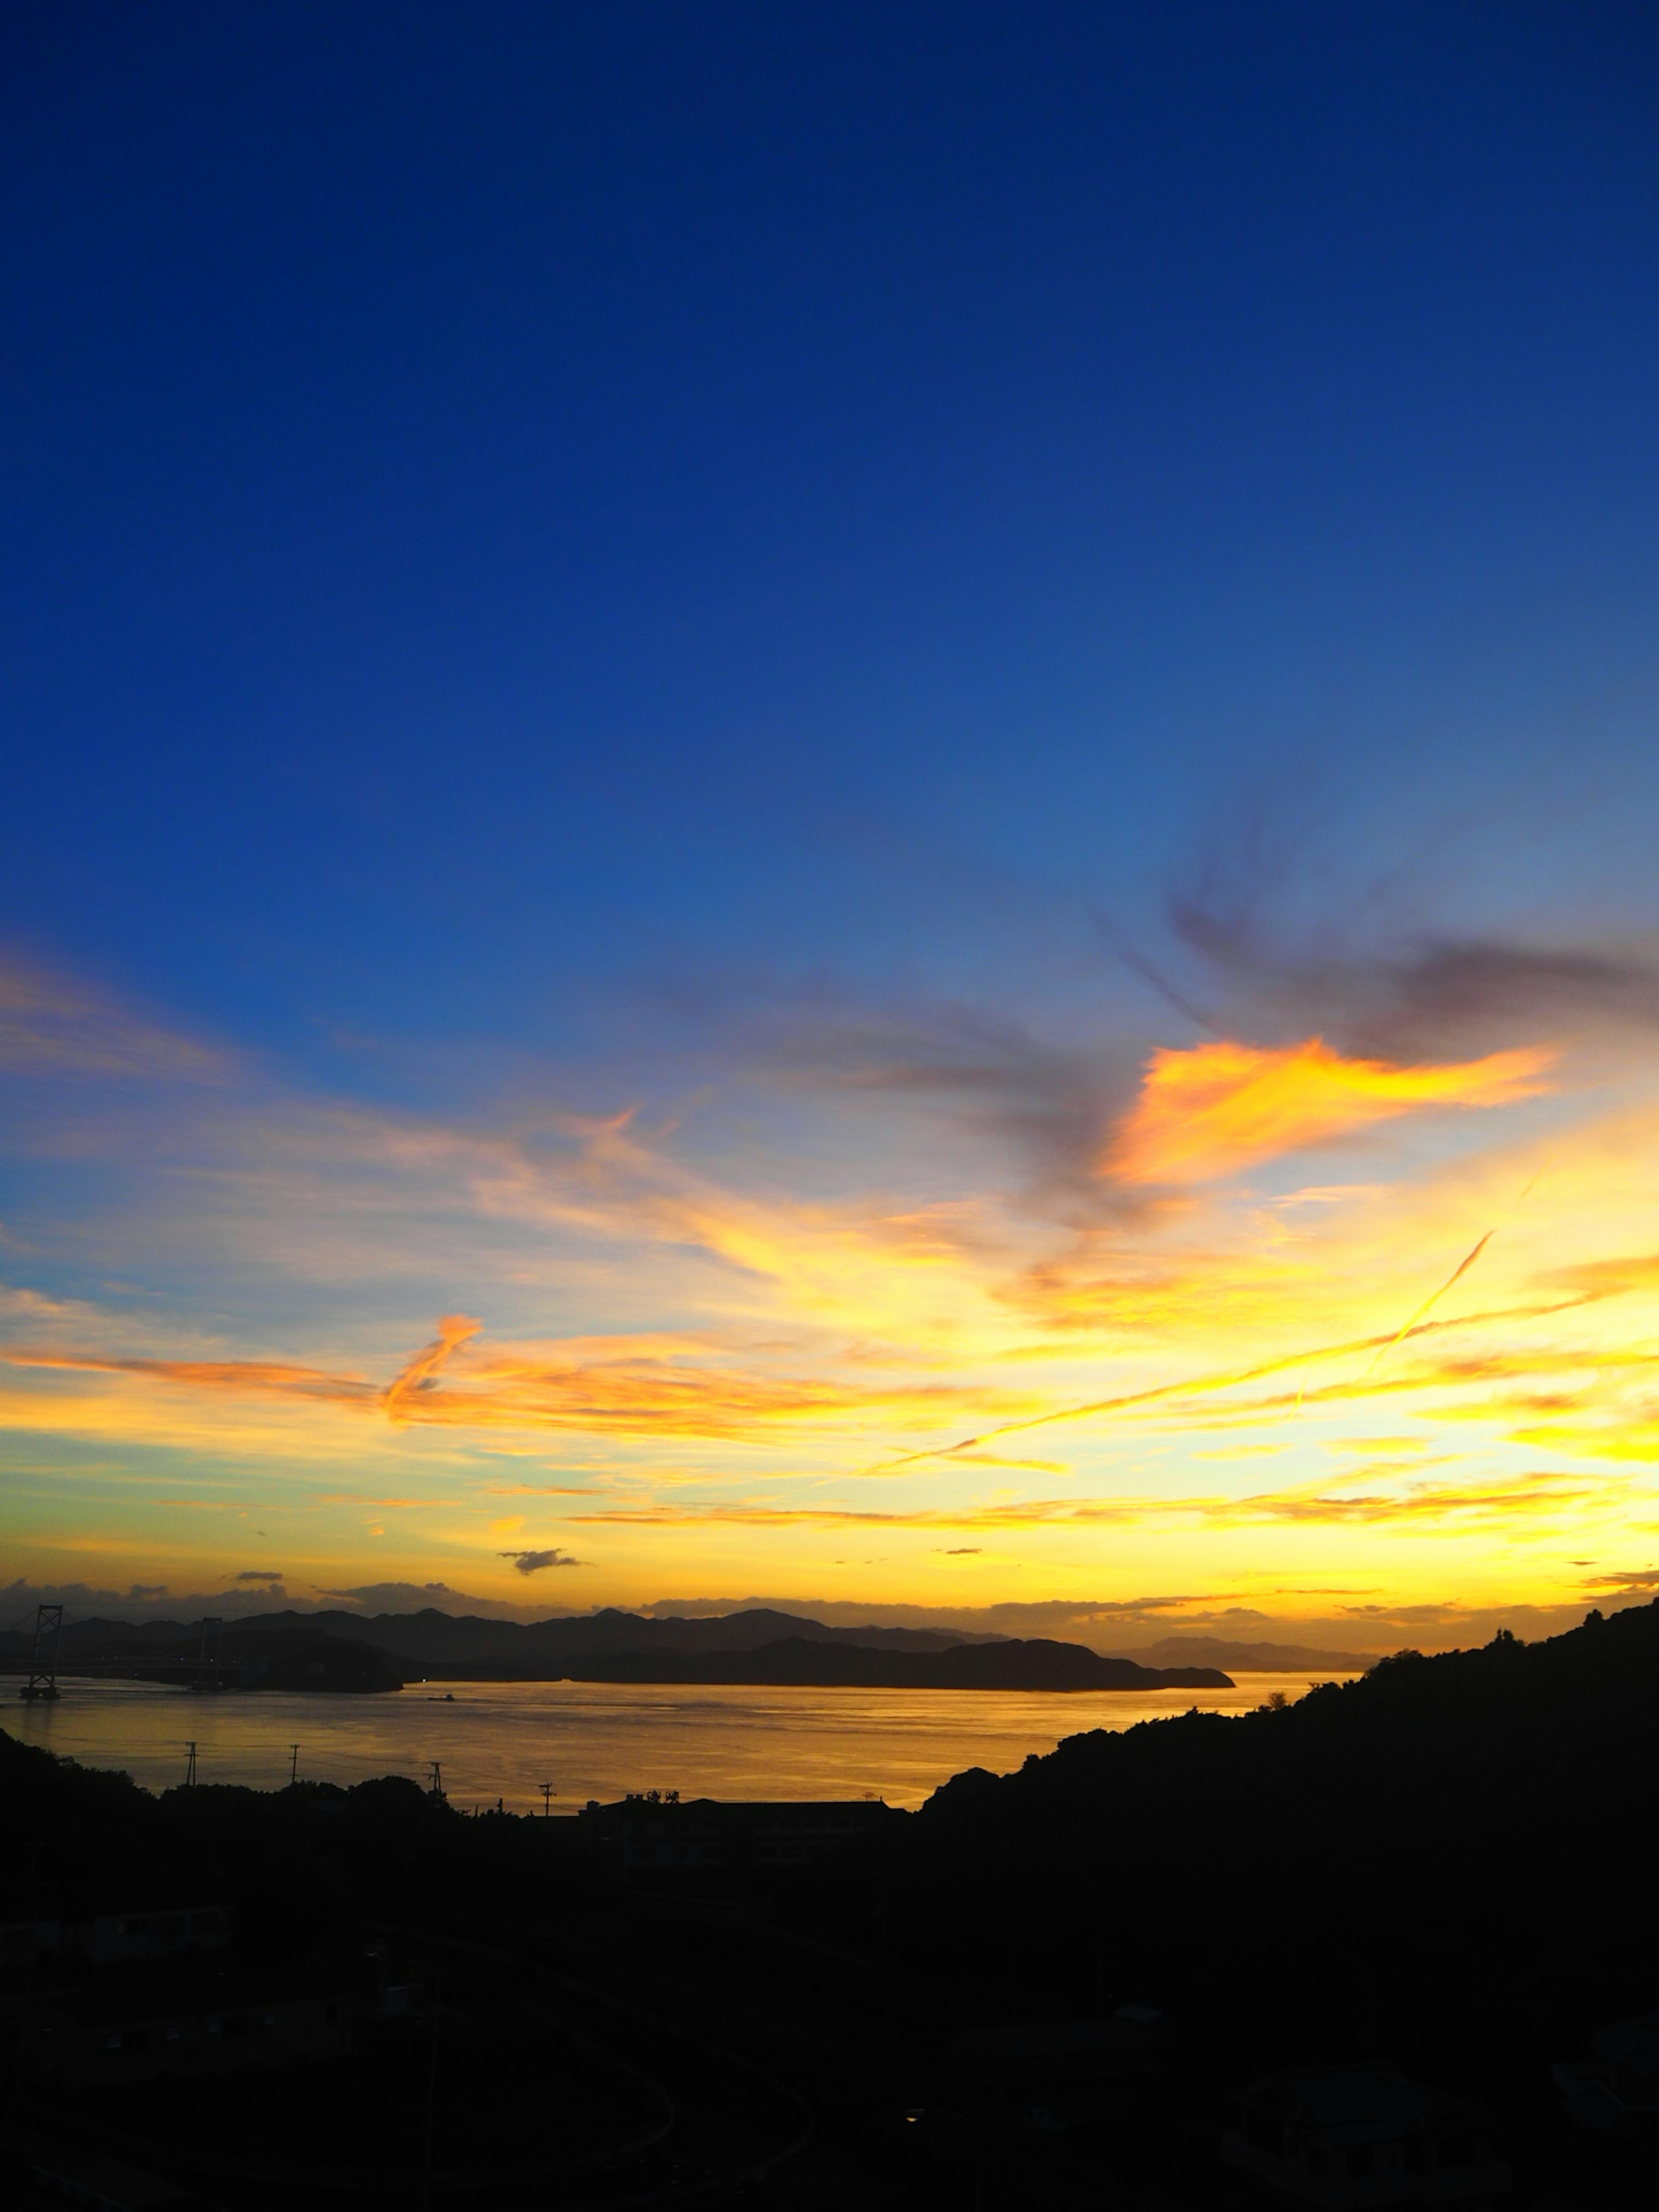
[[43, 1680], [207, 1670]]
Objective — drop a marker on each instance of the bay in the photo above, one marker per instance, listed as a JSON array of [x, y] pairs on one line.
[[502, 1741]]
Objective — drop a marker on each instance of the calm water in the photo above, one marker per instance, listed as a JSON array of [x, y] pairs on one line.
[[593, 1739]]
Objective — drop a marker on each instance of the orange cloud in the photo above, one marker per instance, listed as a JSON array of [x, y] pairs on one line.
[[1221, 1107], [420, 1372], [241, 1377], [633, 1389], [643, 1386]]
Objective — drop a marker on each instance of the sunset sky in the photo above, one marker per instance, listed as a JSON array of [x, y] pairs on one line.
[[851, 803]]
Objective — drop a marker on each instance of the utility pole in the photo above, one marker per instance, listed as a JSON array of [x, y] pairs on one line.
[[189, 1769], [547, 1794], [294, 1765]]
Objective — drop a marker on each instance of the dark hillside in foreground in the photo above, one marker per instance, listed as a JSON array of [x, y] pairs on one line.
[[1451, 1858], [1447, 1865]]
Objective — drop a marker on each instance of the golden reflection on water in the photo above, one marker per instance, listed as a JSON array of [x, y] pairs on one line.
[[503, 1740]]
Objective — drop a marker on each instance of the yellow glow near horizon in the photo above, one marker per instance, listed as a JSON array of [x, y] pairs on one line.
[[1437, 1376]]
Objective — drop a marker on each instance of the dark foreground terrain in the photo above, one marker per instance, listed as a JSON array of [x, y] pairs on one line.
[[1045, 1989]]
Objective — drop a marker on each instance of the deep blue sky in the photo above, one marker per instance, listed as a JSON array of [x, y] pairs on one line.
[[746, 752], [503, 502]]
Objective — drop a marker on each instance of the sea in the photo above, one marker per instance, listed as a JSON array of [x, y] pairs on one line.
[[491, 1743]]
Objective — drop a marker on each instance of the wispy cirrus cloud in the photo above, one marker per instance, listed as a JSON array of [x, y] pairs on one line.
[[1444, 987], [619, 1388], [231, 1378], [49, 1024], [648, 1386], [1519, 1498], [1047, 1101], [1366, 968]]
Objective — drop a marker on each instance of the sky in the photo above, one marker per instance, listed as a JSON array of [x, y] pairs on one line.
[[847, 802]]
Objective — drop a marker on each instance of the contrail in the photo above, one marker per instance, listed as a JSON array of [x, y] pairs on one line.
[[1456, 1274], [1205, 1385], [1192, 1386], [1198, 1386], [1464, 1267]]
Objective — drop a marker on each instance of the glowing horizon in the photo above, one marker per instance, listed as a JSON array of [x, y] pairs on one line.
[[1376, 1345]]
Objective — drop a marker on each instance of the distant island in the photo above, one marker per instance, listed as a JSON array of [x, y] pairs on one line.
[[1252, 1658], [343, 1652], [1012, 1665]]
